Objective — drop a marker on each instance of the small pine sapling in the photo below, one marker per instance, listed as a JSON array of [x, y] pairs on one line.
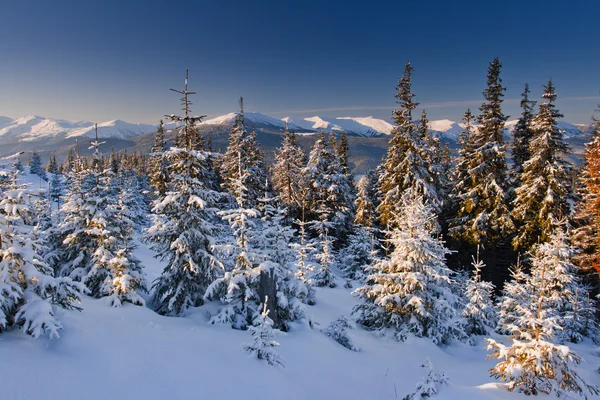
[[429, 385], [263, 344]]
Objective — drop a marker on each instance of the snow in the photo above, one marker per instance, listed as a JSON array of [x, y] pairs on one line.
[[131, 352], [34, 128]]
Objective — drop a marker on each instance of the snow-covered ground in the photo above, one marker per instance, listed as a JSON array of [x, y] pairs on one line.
[[133, 353]]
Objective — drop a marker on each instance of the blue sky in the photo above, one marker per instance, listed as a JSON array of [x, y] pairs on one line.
[[102, 60]]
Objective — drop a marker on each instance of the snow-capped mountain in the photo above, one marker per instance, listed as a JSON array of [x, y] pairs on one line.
[[450, 130], [361, 126], [33, 128]]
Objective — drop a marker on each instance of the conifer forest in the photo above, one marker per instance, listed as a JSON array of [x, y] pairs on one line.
[[192, 271]]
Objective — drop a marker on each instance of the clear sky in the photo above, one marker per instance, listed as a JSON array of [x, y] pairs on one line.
[[104, 59]]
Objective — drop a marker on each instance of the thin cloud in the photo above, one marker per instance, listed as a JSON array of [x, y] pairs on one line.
[[441, 104]]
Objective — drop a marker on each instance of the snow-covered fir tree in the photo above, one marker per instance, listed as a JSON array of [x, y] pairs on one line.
[[324, 276], [95, 234], [182, 232], [533, 363], [239, 288], [405, 164], [329, 194], [157, 167], [274, 242], [435, 160], [360, 252], [35, 166], [28, 289], [288, 179], [411, 290], [52, 166], [514, 294], [343, 154], [243, 146], [304, 265], [263, 334], [430, 385], [367, 200], [480, 311], [522, 135], [542, 199], [338, 331], [461, 179], [126, 278], [57, 189], [483, 215]]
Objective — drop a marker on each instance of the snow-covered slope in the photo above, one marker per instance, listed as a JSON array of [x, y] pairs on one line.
[[32, 128]]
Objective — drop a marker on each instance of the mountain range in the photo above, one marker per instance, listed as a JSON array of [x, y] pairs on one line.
[[368, 136]]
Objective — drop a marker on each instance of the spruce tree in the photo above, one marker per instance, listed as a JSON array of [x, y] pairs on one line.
[[243, 146], [367, 200], [480, 312], [542, 199], [28, 289], [287, 174], [324, 249], [35, 166], [533, 363], [52, 166], [514, 294], [522, 135], [263, 334], [405, 165], [182, 233], [411, 291], [329, 193], [238, 289], [483, 216], [461, 181], [278, 265]]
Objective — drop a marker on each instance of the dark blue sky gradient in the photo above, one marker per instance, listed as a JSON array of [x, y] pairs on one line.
[[102, 60]]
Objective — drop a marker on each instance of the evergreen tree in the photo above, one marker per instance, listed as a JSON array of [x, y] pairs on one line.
[[238, 289], [411, 291], [343, 153], [480, 312], [329, 194], [244, 147], [304, 266], [533, 363], [287, 174], [274, 242], [28, 289], [324, 254], [52, 166], [360, 252], [586, 236], [183, 232], [514, 294], [263, 335], [522, 135], [542, 199], [434, 158], [483, 216], [367, 200], [461, 182], [405, 165]]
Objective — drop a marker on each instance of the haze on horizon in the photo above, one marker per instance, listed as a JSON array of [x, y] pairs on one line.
[[108, 60]]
